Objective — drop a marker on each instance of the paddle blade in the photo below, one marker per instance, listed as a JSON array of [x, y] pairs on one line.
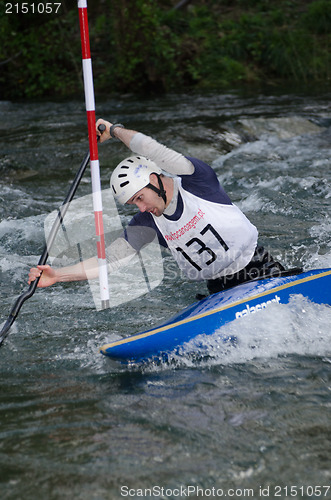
[[16, 309], [6, 327]]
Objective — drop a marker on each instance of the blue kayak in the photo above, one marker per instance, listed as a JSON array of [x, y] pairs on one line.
[[214, 311]]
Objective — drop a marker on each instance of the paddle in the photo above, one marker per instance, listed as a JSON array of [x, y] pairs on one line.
[[52, 235]]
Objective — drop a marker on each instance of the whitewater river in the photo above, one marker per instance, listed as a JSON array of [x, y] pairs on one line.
[[249, 421]]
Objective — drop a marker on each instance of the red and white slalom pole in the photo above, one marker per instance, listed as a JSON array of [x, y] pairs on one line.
[[94, 159]]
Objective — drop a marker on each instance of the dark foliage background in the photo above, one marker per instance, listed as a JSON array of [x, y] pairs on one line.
[[164, 45]]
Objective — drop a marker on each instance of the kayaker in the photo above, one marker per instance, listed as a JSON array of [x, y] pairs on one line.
[[181, 199]]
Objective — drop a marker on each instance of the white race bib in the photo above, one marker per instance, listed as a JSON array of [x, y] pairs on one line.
[[210, 239]]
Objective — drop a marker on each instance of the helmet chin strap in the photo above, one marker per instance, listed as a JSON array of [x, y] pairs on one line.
[[160, 191]]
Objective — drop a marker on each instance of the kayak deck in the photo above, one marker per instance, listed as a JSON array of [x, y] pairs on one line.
[[212, 312]]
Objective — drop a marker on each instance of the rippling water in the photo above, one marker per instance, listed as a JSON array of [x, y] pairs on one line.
[[243, 419]]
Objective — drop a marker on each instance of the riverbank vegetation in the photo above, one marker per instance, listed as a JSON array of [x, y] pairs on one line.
[[164, 45]]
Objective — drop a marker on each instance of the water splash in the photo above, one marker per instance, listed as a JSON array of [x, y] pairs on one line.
[[297, 328]]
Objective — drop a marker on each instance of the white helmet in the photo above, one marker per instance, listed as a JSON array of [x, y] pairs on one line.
[[132, 175]]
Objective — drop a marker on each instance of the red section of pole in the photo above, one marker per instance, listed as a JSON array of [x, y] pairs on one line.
[[92, 135], [99, 229], [84, 31]]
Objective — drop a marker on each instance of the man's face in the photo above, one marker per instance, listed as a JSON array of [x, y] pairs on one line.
[[147, 200]]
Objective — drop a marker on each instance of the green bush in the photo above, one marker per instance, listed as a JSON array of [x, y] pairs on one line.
[[317, 19], [144, 45]]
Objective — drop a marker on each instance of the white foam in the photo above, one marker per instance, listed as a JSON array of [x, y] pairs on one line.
[[298, 328]]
